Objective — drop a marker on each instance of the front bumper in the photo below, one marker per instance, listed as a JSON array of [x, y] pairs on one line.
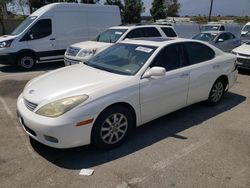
[[63, 128], [69, 62], [243, 62], [8, 59]]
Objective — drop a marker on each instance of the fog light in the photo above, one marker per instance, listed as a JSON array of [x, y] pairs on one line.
[[50, 138]]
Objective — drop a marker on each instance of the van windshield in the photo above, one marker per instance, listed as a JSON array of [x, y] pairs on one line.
[[23, 25], [110, 35]]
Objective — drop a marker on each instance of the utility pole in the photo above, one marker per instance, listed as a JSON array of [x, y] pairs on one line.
[[210, 12]]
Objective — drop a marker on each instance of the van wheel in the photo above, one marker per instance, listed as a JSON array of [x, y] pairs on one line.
[[112, 127], [26, 61], [217, 92]]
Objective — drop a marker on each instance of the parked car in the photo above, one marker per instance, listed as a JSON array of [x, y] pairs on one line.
[[46, 33], [213, 27], [243, 55], [126, 85], [245, 38], [224, 40], [245, 29], [83, 51]]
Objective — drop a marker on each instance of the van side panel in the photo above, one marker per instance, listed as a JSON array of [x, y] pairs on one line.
[[71, 27], [102, 19]]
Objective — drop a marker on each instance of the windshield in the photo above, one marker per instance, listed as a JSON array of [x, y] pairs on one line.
[[210, 28], [23, 25], [110, 35], [125, 59], [205, 36], [246, 28]]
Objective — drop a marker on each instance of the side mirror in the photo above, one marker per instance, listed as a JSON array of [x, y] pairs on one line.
[[30, 34], [154, 71], [220, 40]]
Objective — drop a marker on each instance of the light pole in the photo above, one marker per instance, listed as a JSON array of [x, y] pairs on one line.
[[210, 11]]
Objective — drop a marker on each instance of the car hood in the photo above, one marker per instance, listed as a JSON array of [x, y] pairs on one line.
[[243, 49], [91, 45], [7, 37], [71, 81]]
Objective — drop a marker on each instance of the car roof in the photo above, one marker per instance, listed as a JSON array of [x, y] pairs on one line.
[[216, 32], [155, 41], [139, 26]]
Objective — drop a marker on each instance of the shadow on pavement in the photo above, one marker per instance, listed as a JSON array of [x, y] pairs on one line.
[[38, 67], [244, 71], [142, 137]]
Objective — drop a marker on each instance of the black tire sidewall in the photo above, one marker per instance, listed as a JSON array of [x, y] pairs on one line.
[[210, 101], [96, 131]]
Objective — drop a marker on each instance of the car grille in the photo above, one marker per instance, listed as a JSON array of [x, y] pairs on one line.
[[245, 55], [72, 51], [31, 106]]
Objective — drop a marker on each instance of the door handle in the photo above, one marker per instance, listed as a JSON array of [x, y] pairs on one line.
[[184, 75], [52, 39]]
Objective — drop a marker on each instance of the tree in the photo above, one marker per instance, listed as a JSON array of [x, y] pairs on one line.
[[158, 10], [132, 11], [173, 7], [88, 1], [117, 3], [3, 13]]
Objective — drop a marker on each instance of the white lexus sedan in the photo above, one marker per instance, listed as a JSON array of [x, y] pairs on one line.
[[126, 85]]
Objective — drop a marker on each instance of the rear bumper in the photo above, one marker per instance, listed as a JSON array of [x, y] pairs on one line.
[[8, 59]]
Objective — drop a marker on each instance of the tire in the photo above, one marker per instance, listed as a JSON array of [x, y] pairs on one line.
[[217, 92], [26, 61], [109, 133]]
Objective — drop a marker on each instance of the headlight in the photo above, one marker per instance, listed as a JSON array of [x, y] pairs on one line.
[[5, 44], [59, 107], [87, 53]]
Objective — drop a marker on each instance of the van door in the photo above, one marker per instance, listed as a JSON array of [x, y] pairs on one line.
[[41, 39]]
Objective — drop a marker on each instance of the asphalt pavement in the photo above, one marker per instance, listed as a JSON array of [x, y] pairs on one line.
[[198, 146]]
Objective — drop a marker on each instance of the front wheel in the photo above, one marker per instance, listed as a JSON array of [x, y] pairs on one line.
[[26, 61], [112, 127], [216, 92]]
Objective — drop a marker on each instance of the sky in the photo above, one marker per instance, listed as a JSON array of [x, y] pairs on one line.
[[222, 7], [196, 7]]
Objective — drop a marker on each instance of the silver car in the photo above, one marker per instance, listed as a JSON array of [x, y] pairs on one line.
[[224, 40]]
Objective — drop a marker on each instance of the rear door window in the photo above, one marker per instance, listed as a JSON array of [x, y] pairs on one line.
[[198, 53], [169, 32]]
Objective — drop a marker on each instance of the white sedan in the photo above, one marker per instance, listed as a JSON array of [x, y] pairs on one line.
[[126, 85]]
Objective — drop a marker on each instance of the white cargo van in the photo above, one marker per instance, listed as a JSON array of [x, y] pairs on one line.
[[45, 34]]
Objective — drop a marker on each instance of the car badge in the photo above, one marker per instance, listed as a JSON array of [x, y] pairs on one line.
[[31, 91]]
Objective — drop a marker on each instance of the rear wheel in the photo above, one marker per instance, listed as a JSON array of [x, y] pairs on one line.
[[26, 61], [217, 92], [112, 127]]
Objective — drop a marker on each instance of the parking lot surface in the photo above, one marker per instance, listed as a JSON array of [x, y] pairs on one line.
[[197, 146]]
